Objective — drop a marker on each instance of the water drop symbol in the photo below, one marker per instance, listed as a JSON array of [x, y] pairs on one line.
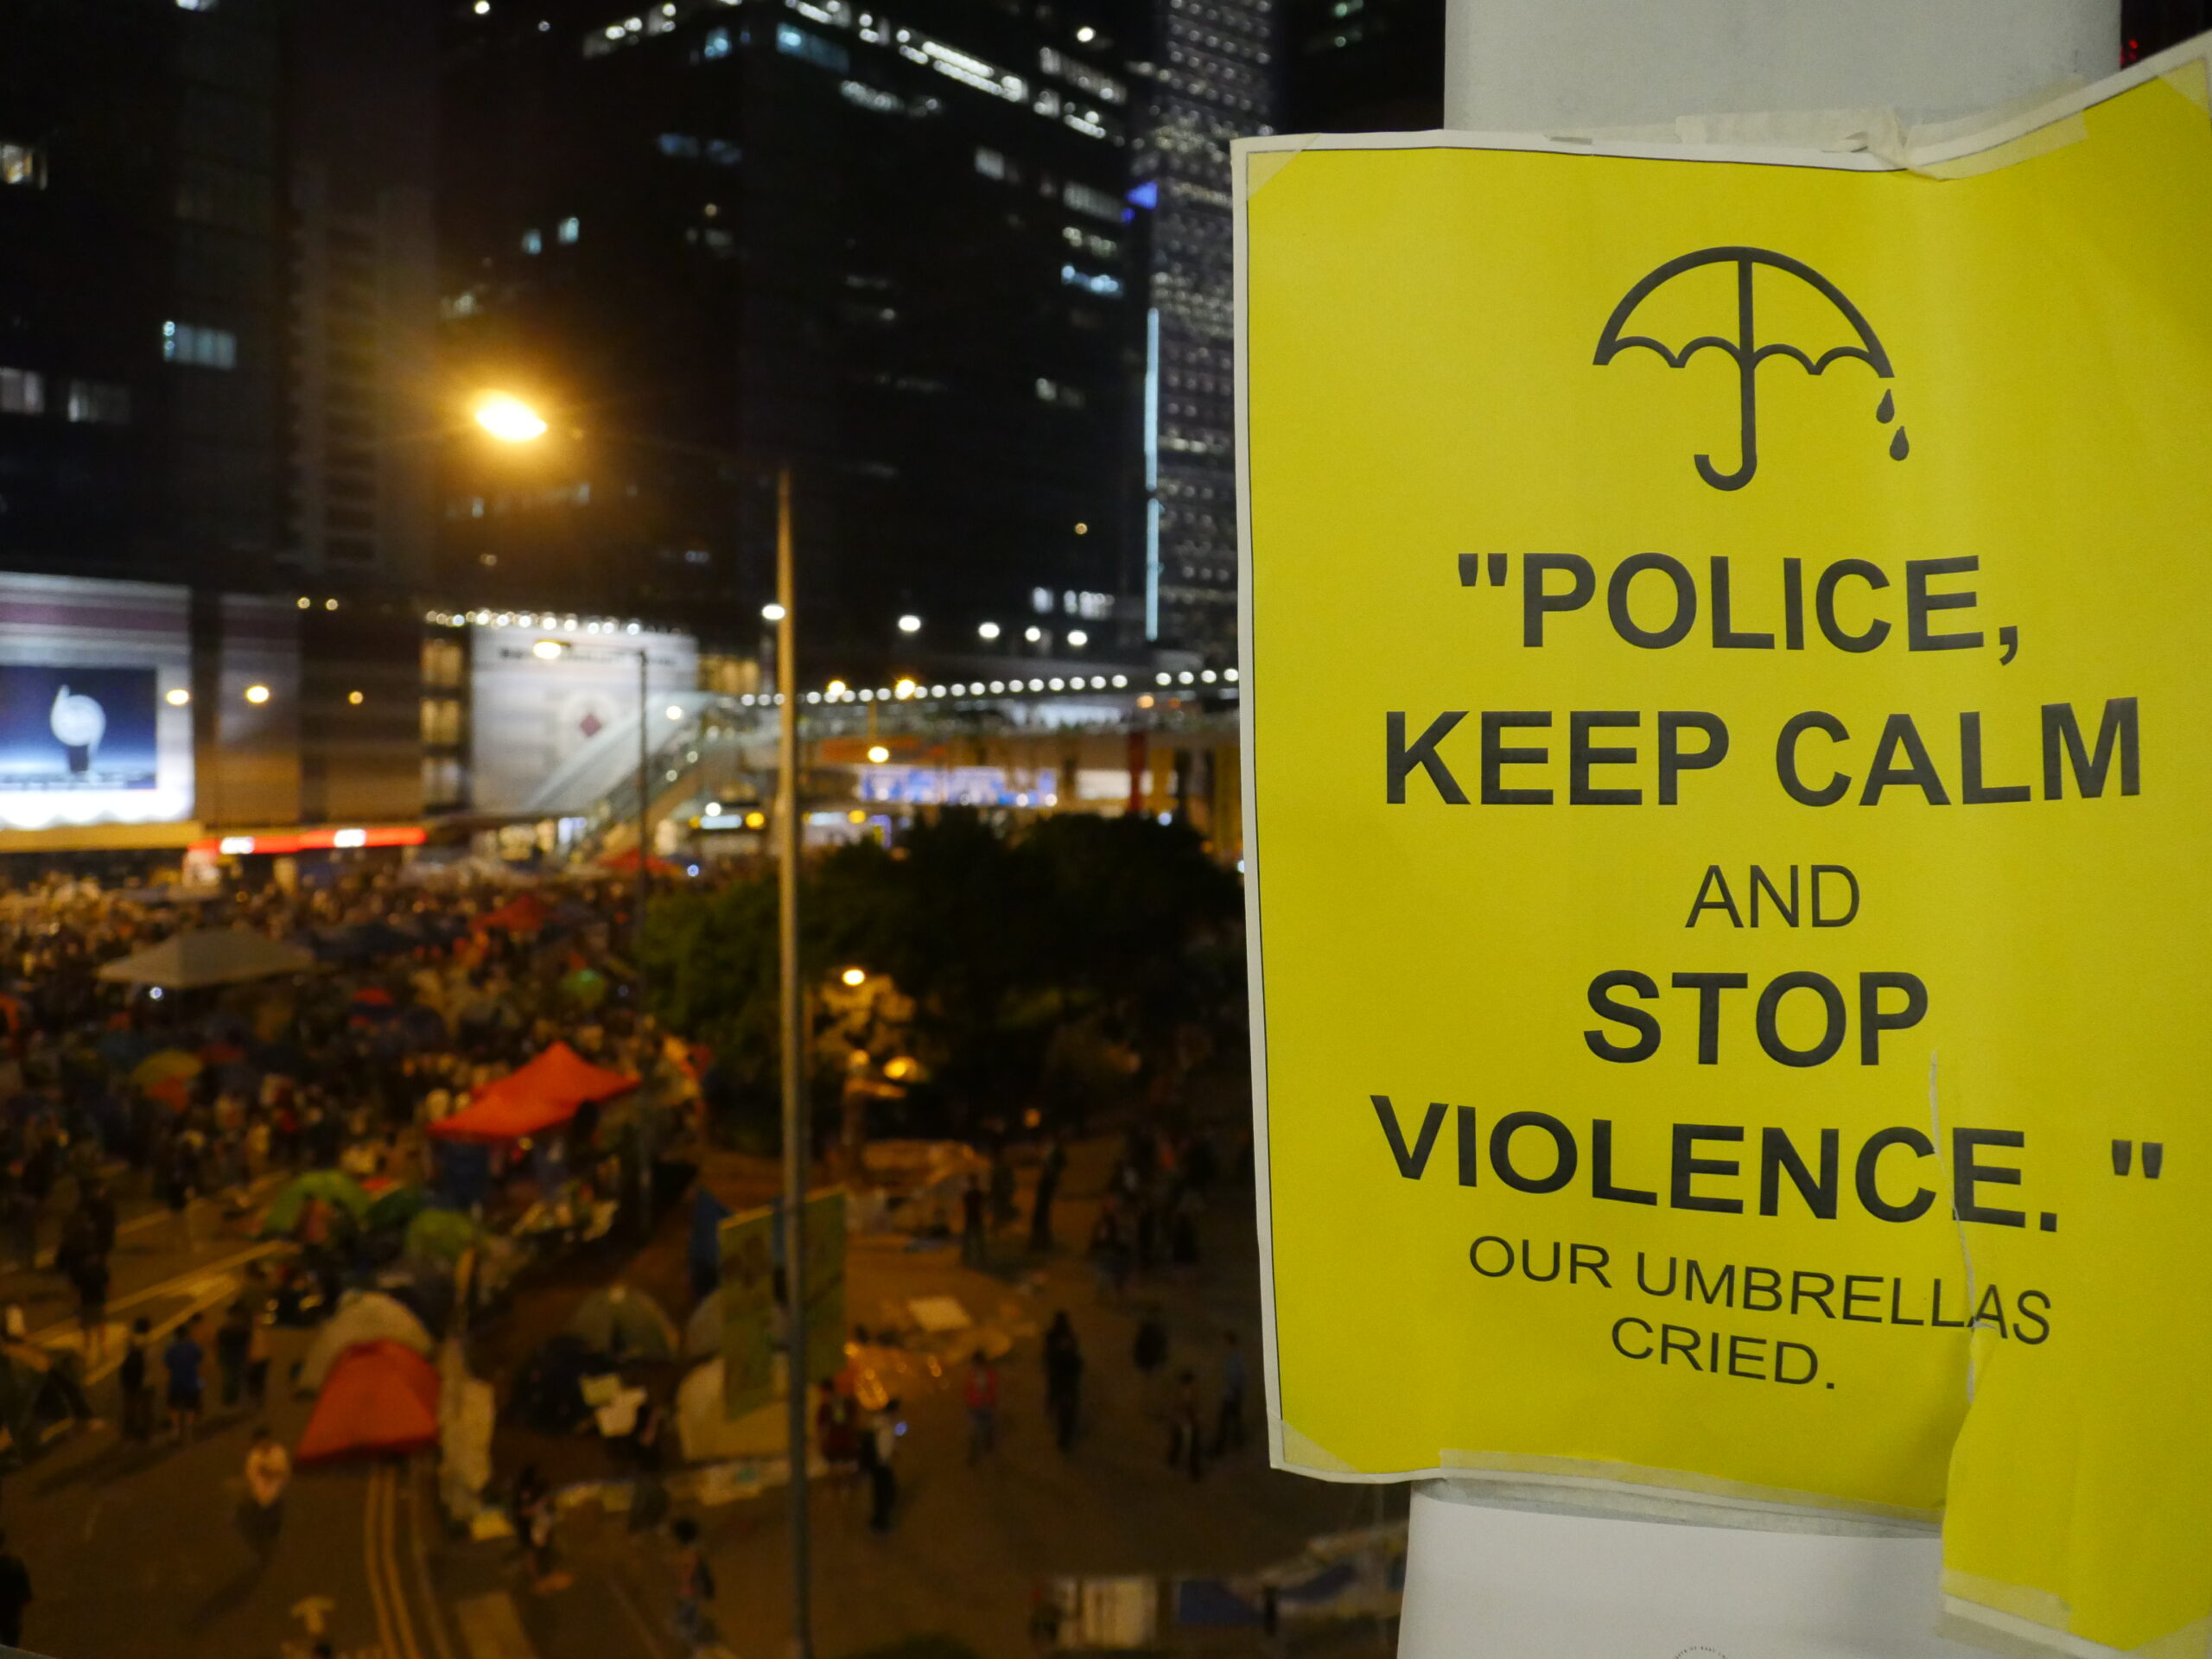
[[1886, 410], [1898, 448]]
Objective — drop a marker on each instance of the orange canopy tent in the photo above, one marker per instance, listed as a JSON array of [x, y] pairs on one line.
[[540, 1096], [380, 1397], [523, 913]]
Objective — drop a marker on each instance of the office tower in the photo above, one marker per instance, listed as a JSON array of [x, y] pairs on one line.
[[886, 248], [1364, 66], [141, 289], [1212, 78]]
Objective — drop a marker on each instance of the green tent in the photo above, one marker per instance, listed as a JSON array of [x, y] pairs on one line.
[[342, 1193], [439, 1235], [397, 1210], [626, 1323]]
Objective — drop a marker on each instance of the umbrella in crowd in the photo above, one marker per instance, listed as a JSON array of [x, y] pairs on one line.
[[439, 1235], [166, 1064], [626, 1323], [209, 956], [396, 1209], [341, 1193]]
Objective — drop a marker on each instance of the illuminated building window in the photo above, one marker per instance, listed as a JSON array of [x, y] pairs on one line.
[[990, 163], [533, 242], [201, 346], [22, 391], [716, 45], [794, 41], [570, 230], [1099, 204], [98, 402], [22, 164]]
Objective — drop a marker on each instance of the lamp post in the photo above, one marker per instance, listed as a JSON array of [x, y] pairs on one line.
[[511, 421]]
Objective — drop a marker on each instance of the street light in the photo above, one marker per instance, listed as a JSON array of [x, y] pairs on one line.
[[855, 977], [910, 623], [257, 694], [986, 630], [509, 420]]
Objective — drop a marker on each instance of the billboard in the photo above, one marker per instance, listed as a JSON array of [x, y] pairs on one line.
[[95, 694], [77, 728]]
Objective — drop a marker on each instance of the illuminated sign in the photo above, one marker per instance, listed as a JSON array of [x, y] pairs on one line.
[[312, 841]]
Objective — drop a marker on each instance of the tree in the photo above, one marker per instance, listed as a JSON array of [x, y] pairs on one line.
[[1077, 931]]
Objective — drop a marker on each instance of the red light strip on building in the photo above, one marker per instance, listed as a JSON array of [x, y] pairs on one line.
[[314, 841]]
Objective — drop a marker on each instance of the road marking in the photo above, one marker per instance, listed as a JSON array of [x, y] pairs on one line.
[[645, 1630], [388, 1560], [174, 1284], [370, 1564], [419, 1499], [492, 1629]]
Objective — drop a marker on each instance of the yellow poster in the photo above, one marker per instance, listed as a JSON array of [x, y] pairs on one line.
[[1729, 720]]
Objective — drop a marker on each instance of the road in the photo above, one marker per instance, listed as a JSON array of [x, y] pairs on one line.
[[133, 1549]]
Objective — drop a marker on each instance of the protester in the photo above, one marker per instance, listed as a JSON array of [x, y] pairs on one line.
[[15, 1595], [974, 1237], [1062, 1380], [1040, 1203], [878, 1443], [1186, 1439], [1229, 1424], [182, 1359], [981, 1395], [267, 1472], [694, 1586], [91, 1282], [837, 1433], [232, 1338], [130, 1378]]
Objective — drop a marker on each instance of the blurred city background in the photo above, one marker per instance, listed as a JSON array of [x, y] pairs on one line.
[[400, 402]]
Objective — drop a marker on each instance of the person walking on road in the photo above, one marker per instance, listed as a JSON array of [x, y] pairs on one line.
[[1185, 1437], [232, 1337], [183, 1359], [1041, 1205], [974, 1239], [1062, 1380], [90, 1276], [1229, 1423], [694, 1586], [267, 1472], [878, 1442], [982, 1396], [137, 1393], [15, 1595]]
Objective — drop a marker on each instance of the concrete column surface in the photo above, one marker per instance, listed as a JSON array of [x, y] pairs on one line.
[[1540, 66]]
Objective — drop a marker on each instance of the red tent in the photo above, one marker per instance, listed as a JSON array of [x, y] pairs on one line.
[[379, 1397], [523, 913], [540, 1096]]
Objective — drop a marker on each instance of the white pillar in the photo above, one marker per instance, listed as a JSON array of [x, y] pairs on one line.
[[1522, 66], [1501, 1571]]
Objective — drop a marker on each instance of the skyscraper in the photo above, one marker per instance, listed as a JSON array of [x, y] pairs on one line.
[[1212, 79], [886, 248], [142, 289]]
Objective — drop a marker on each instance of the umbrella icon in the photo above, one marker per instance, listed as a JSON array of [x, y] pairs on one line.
[[1746, 349]]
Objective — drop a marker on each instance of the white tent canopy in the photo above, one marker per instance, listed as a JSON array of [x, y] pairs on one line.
[[364, 1316], [209, 956]]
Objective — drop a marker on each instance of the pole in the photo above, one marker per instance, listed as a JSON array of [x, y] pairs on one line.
[[638, 939], [795, 1047], [644, 805]]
